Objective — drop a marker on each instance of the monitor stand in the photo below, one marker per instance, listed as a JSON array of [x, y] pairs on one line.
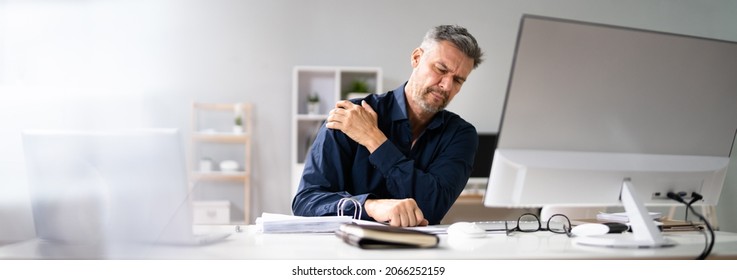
[[644, 232]]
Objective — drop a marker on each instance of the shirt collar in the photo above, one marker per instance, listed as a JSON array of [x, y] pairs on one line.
[[400, 111]]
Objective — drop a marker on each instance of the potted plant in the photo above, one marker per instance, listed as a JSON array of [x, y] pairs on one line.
[[238, 125], [359, 89], [313, 104]]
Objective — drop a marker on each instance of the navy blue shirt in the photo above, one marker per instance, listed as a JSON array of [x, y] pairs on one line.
[[433, 172]]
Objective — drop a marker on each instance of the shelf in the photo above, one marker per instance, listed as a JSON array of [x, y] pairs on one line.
[[215, 128], [220, 176], [215, 106], [221, 137], [303, 117]]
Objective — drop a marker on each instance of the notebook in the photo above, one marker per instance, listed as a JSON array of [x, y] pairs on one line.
[[110, 186], [384, 237]]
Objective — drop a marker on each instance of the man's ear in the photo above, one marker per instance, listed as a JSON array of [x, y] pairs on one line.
[[416, 55]]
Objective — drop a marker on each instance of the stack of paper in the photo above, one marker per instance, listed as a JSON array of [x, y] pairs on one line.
[[622, 216], [279, 223]]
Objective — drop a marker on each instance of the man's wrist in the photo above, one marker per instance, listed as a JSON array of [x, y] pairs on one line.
[[375, 143], [368, 206]]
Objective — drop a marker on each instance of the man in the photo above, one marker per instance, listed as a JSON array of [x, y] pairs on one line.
[[399, 154]]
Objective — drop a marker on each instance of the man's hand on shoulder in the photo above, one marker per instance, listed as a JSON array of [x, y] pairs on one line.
[[359, 122], [398, 212]]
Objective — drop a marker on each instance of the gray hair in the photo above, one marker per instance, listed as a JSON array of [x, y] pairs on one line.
[[457, 35]]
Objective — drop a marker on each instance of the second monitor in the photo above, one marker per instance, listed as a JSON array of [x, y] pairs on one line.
[[595, 113]]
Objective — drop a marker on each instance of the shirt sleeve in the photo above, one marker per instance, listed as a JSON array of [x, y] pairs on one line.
[[322, 183], [435, 188]]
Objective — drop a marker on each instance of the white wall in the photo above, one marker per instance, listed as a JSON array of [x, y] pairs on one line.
[[92, 64]]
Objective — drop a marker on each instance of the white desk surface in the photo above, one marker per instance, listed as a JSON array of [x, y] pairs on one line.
[[252, 245]]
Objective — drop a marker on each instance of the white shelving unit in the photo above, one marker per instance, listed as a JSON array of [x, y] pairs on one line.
[[331, 84], [213, 130]]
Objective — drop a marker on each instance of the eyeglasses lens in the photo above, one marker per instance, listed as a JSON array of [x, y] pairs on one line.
[[528, 223], [559, 224]]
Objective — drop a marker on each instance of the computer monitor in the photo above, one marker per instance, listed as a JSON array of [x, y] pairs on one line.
[[484, 156], [599, 115], [110, 187]]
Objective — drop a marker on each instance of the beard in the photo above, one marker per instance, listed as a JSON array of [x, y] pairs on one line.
[[424, 97]]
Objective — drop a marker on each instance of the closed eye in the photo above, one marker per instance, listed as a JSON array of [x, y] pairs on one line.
[[441, 69]]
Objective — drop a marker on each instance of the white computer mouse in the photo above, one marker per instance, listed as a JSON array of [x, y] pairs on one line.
[[590, 229], [465, 230]]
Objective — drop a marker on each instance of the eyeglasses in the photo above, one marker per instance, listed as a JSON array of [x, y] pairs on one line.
[[530, 222]]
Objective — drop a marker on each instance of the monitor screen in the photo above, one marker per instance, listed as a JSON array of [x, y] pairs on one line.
[[590, 106], [484, 155], [95, 187]]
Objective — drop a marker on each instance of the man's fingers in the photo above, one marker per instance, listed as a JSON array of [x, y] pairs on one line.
[[412, 220], [395, 221], [337, 112], [367, 107], [335, 117], [419, 217], [344, 104], [404, 212], [402, 220], [410, 214]]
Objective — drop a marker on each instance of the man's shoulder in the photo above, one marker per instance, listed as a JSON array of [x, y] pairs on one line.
[[374, 98], [451, 118], [382, 103], [383, 97]]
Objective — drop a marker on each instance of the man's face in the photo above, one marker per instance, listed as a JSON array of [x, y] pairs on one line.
[[437, 76]]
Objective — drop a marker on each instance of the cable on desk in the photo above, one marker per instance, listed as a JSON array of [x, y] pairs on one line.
[[709, 245], [696, 197]]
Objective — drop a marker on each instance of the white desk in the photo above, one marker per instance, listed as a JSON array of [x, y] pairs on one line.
[[251, 245]]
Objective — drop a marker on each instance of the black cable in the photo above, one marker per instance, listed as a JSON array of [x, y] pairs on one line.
[[710, 245], [711, 232], [695, 197]]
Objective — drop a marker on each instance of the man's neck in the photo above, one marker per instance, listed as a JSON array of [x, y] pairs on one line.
[[418, 118]]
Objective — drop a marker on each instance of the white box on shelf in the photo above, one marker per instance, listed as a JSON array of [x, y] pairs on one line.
[[211, 212]]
